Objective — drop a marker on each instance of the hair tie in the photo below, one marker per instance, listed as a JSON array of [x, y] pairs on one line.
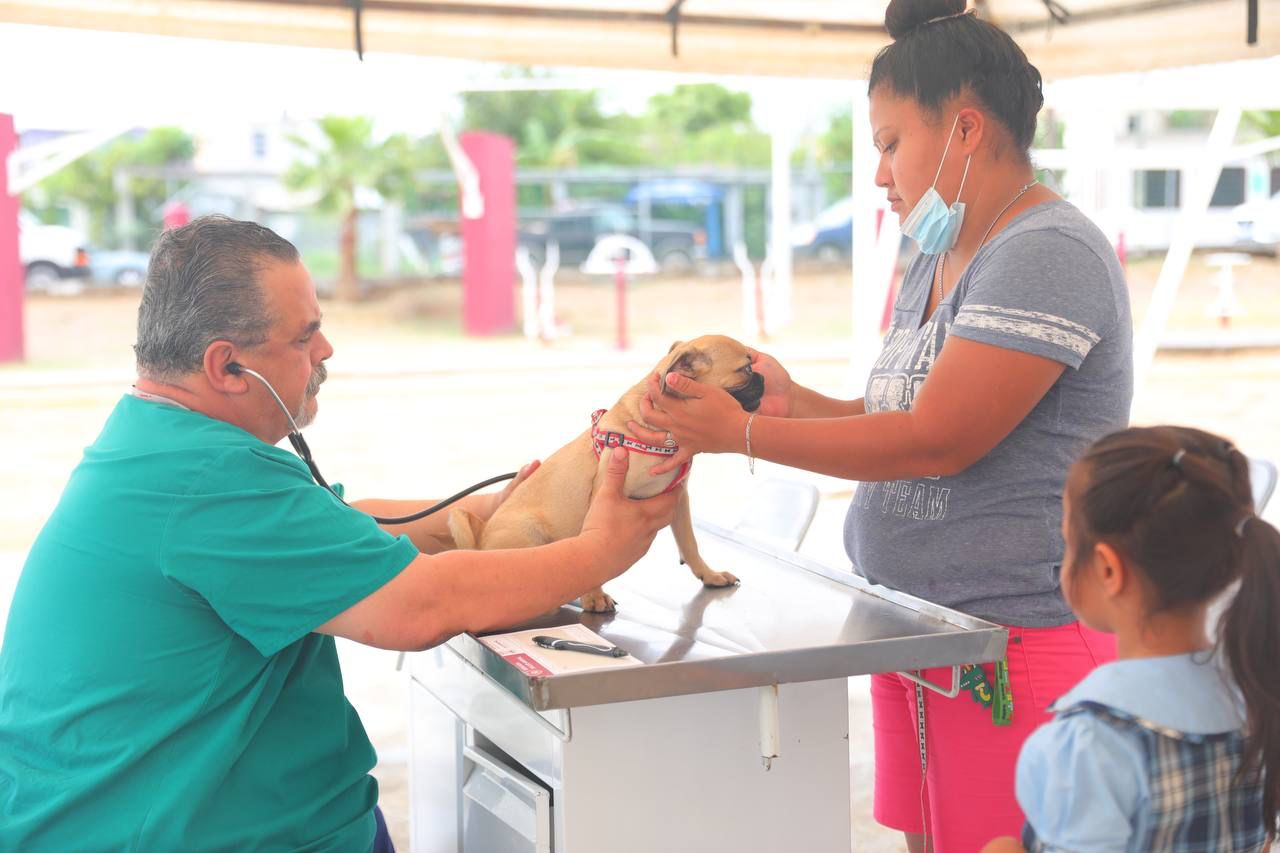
[[946, 17], [1176, 461], [1241, 523]]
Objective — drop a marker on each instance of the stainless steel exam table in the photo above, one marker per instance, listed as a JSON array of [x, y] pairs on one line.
[[733, 735]]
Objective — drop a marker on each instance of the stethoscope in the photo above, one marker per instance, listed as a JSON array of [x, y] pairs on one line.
[[300, 445]]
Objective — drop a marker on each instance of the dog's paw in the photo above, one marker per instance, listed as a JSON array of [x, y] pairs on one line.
[[598, 601], [720, 579]]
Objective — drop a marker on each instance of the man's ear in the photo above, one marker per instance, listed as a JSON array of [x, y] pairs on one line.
[[216, 358]]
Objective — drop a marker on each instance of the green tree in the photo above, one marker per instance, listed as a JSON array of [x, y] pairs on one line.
[[704, 124], [90, 181], [833, 154], [344, 159], [1266, 123], [514, 113], [556, 129], [691, 109], [715, 146]]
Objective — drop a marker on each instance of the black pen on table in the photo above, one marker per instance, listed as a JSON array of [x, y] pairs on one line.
[[562, 645]]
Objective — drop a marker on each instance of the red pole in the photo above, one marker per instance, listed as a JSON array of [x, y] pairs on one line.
[[489, 243], [11, 278], [620, 292]]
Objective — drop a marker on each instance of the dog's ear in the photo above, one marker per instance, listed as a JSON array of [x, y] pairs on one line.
[[687, 363], [673, 347], [690, 362]]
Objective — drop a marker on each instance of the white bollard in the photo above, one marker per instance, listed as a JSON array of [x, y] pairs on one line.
[[771, 318], [750, 308], [528, 291], [547, 292]]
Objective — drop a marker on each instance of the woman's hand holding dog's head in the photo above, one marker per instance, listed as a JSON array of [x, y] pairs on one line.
[[777, 401], [702, 418], [621, 528]]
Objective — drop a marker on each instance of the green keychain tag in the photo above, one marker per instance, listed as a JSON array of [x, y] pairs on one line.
[[1002, 707], [974, 679]]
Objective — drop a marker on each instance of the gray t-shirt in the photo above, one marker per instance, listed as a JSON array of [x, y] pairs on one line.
[[987, 541]]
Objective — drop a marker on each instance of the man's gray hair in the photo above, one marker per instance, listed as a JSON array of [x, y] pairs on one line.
[[202, 286]]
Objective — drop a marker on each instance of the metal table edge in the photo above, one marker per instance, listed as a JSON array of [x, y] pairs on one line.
[[981, 642]]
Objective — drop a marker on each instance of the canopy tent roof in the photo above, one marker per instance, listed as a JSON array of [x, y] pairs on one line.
[[803, 38]]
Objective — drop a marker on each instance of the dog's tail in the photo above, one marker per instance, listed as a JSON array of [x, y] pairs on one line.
[[465, 527]]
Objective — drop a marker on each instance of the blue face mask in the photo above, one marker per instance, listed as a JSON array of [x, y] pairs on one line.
[[931, 223]]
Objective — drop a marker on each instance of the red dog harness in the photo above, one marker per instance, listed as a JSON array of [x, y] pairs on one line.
[[600, 440]]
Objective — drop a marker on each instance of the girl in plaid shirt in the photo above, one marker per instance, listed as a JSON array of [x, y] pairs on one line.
[[1165, 749]]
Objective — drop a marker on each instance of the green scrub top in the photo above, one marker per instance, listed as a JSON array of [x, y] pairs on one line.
[[160, 687]]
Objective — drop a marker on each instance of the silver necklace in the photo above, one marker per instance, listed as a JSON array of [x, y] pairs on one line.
[[942, 258]]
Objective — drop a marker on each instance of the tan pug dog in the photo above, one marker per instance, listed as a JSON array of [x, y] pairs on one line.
[[552, 503]]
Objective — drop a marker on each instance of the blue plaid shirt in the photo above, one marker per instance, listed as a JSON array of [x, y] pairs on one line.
[[1142, 756]]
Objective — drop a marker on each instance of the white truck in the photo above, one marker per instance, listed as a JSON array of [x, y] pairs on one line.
[[50, 254]]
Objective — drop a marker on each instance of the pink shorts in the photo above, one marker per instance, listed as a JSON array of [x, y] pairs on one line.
[[968, 799]]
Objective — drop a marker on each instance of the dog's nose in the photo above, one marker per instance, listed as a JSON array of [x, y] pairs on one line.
[[748, 396]]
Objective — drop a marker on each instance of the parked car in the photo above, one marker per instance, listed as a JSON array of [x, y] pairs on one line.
[[50, 253], [1259, 224], [677, 246], [121, 267], [829, 237]]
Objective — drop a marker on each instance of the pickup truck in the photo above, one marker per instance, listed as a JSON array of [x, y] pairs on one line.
[[50, 253], [677, 246]]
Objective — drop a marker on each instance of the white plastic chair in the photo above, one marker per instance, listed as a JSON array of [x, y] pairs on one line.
[[779, 513], [1262, 476]]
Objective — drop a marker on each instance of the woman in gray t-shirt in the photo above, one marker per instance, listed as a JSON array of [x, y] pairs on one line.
[[1010, 350]]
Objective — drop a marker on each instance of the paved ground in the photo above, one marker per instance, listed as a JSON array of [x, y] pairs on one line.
[[414, 409]]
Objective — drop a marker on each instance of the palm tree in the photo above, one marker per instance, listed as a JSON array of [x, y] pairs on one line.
[[345, 158], [1265, 122]]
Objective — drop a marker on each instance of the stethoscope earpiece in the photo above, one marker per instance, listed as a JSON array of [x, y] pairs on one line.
[[304, 452]]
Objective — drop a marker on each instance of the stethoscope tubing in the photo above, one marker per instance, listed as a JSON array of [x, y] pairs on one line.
[[300, 446]]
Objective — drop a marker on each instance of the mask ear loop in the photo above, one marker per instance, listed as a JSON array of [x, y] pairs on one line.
[[945, 149], [960, 191]]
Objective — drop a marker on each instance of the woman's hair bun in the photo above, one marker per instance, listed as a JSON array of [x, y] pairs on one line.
[[903, 16]]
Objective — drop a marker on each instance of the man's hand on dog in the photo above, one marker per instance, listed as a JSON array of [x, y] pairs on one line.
[[624, 528]]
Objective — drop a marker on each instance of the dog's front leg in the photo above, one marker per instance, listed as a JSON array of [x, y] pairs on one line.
[[682, 529]]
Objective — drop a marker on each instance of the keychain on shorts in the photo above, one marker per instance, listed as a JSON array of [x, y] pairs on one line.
[[999, 698], [1002, 707], [974, 679]]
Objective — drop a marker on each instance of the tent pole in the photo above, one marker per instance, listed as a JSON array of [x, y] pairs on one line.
[[870, 280], [778, 313], [1203, 177]]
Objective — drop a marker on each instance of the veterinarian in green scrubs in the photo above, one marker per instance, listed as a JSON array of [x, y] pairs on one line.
[[169, 678]]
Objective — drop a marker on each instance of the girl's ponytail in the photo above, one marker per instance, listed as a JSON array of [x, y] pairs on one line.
[[1177, 502], [1250, 637]]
